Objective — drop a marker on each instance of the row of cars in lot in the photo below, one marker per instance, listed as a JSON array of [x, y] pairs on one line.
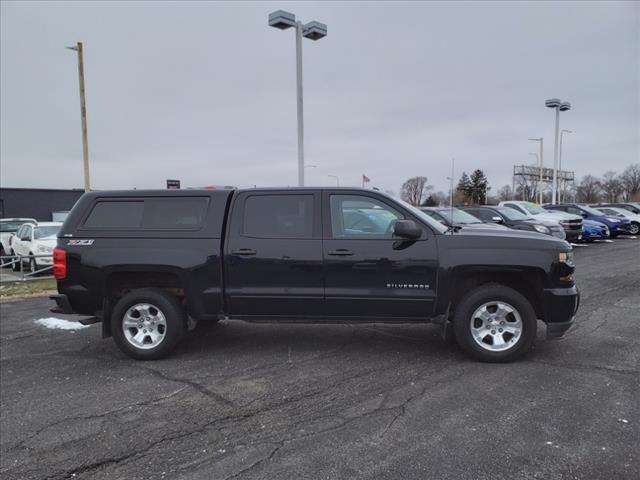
[[570, 221]]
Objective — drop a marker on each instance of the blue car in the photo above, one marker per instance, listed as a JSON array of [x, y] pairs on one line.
[[592, 230], [616, 226]]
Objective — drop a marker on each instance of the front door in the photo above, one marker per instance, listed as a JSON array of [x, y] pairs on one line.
[[273, 256], [368, 272]]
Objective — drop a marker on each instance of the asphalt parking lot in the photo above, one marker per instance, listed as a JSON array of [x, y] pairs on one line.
[[240, 400]]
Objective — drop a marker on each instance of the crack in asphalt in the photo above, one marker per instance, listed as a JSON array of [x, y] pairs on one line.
[[22, 443], [195, 385], [578, 366]]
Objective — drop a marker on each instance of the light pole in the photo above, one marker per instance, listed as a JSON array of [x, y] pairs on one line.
[[337, 179], [541, 163], [559, 106], [451, 184], [560, 161], [539, 187], [313, 31], [83, 116]]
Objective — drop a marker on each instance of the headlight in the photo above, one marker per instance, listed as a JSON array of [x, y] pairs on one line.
[[542, 229], [566, 257], [614, 220]]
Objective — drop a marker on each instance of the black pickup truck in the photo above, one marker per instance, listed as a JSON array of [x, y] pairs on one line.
[[146, 262]]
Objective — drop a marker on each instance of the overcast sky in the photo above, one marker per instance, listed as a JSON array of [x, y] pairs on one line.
[[205, 92]]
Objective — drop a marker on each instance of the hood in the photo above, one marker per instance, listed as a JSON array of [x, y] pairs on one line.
[[508, 233], [557, 216], [592, 223], [46, 241], [482, 226]]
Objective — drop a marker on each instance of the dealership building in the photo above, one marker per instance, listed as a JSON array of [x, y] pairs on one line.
[[38, 203]]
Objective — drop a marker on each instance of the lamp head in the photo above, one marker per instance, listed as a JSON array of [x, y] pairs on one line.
[[314, 30], [552, 102], [282, 20], [564, 106]]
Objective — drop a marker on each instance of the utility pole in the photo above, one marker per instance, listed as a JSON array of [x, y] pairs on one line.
[[83, 116]]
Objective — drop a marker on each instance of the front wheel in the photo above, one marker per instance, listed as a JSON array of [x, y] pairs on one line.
[[494, 323], [147, 324], [634, 228]]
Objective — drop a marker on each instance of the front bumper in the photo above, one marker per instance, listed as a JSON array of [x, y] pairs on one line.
[[559, 307]]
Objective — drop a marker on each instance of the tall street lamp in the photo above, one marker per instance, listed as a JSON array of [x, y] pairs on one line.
[[337, 179], [541, 163], [560, 160], [539, 182], [559, 106], [83, 116], [313, 31]]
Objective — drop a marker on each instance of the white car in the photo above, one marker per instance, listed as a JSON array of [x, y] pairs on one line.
[[634, 218], [35, 239], [9, 226], [572, 224]]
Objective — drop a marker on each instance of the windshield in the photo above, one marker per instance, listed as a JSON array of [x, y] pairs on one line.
[[458, 216], [10, 226], [422, 216], [48, 231], [533, 209], [512, 214], [591, 211]]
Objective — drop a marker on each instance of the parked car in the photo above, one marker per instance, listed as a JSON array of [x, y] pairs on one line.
[[572, 224], [513, 219], [35, 239], [616, 226], [634, 218], [143, 262], [592, 230], [633, 207], [9, 226], [444, 215]]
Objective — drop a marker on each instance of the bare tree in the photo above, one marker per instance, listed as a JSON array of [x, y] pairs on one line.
[[630, 180], [505, 193], [589, 189], [415, 190], [611, 186]]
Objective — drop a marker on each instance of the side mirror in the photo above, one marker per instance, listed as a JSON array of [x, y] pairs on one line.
[[407, 229], [25, 238], [496, 219]]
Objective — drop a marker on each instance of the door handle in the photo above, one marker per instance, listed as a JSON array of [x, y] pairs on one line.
[[244, 251], [341, 252]]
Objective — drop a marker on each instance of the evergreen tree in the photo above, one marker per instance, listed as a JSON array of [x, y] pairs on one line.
[[464, 186], [478, 187], [430, 202]]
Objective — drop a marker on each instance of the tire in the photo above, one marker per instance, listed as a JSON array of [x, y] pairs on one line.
[[495, 346], [32, 264], [634, 228], [15, 266], [2, 254], [156, 322]]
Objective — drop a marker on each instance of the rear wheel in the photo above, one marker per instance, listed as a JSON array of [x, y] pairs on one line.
[[147, 324], [15, 266], [494, 323]]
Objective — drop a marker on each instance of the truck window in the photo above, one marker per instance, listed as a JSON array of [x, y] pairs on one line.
[[278, 216], [114, 214], [361, 216], [176, 213], [186, 212]]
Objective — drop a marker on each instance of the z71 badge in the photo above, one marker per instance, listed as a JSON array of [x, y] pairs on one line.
[[80, 242]]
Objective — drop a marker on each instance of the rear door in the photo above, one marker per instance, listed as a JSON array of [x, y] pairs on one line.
[[273, 255], [368, 272]]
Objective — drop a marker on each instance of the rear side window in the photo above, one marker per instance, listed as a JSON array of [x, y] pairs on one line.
[[278, 216], [115, 215], [180, 213]]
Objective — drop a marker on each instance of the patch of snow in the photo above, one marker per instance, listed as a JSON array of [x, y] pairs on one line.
[[579, 245], [59, 323], [623, 420]]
